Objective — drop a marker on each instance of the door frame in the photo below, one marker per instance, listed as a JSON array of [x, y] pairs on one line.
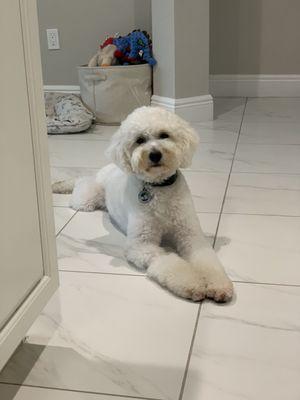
[[15, 329]]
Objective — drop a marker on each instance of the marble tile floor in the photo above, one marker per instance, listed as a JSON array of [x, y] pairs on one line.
[[111, 334]]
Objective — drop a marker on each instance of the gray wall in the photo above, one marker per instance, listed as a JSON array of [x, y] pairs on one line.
[[246, 36], [191, 47], [254, 36], [82, 25]]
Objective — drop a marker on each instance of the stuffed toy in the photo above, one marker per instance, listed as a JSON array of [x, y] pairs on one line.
[[105, 55], [135, 48]]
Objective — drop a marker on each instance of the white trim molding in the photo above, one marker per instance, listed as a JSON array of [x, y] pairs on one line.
[[193, 109], [62, 88], [255, 85]]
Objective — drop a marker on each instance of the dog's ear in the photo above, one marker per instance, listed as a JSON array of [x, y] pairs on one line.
[[118, 153], [189, 142]]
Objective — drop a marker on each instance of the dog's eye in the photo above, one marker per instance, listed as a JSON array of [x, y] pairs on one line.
[[163, 135], [140, 140]]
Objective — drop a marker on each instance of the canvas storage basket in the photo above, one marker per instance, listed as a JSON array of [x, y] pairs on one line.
[[112, 93]]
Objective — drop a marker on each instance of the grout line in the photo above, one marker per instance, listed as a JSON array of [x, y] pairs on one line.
[[190, 354], [101, 273], [229, 175], [145, 276], [270, 144], [81, 140], [69, 220], [203, 141], [266, 283], [197, 212], [69, 167], [192, 170], [80, 167], [260, 215], [265, 173], [272, 97], [79, 391], [67, 139]]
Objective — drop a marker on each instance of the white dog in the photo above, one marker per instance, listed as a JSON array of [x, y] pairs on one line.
[[147, 196]]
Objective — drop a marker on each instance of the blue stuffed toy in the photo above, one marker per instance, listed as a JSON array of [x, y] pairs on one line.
[[135, 48]]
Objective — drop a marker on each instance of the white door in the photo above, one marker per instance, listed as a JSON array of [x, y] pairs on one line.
[[28, 271]]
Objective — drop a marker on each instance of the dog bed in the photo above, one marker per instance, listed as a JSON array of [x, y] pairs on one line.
[[65, 113]]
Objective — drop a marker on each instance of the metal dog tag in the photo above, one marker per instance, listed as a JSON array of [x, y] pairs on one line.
[[145, 195]]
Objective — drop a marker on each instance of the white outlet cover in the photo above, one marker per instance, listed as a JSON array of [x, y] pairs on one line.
[[53, 39]]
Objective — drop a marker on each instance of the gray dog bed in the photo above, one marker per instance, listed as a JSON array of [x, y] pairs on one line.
[[65, 113]]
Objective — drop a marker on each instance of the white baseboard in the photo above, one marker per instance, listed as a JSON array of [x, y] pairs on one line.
[[62, 88], [193, 109], [255, 85]]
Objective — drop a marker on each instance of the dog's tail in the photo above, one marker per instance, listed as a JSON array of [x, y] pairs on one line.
[[63, 187]]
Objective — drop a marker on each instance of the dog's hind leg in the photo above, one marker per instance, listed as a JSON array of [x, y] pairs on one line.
[[63, 187], [88, 195]]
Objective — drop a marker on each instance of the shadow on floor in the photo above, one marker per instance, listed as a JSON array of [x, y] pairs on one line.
[[222, 107], [18, 368], [67, 369]]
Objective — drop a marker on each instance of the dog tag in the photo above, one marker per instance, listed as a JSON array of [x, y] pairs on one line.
[[145, 196]]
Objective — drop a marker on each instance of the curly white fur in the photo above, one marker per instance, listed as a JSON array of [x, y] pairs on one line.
[[192, 270]]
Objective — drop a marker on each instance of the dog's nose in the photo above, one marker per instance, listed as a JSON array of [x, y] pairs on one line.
[[155, 156]]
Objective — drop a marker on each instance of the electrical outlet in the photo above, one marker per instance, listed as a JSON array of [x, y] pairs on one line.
[[53, 39]]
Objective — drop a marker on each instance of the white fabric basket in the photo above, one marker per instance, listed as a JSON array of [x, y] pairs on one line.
[[112, 93]]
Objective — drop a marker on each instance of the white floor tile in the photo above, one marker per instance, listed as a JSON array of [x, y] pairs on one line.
[[216, 133], [207, 189], [108, 331], [91, 243], [270, 132], [96, 132], [248, 349], [257, 248], [213, 157], [61, 217], [267, 158], [279, 109], [263, 194], [61, 200], [62, 173], [224, 128], [122, 335], [209, 222], [14, 392], [78, 153]]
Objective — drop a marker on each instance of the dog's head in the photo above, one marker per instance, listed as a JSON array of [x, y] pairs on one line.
[[153, 143]]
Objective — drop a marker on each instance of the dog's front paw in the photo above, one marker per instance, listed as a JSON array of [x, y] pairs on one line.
[[220, 290], [195, 291], [178, 276]]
